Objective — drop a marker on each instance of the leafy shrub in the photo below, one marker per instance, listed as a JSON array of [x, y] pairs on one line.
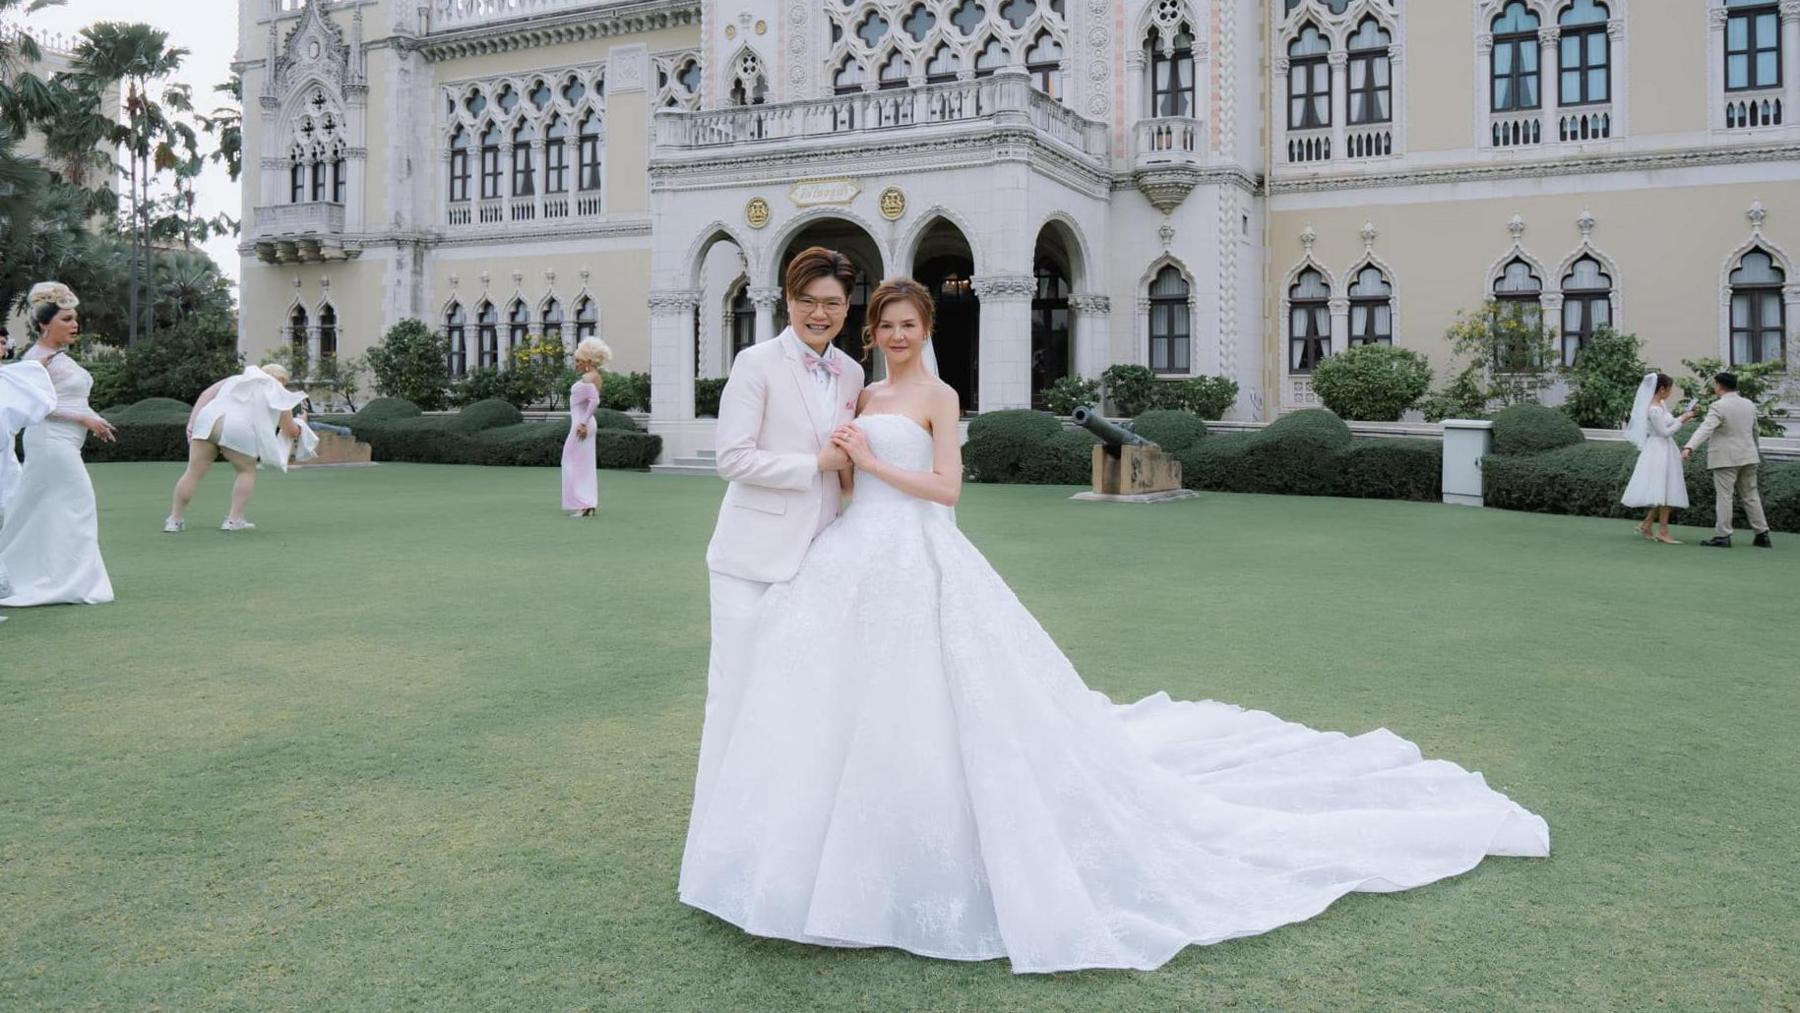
[[154, 429], [606, 418], [495, 433], [1215, 463], [1209, 397], [1393, 469], [383, 408], [489, 414], [1374, 383], [1532, 429], [412, 363], [1758, 382], [706, 396], [1604, 380], [626, 392], [1297, 454], [1464, 398], [1069, 393], [1174, 431], [1000, 443], [479, 384], [1066, 458], [1129, 389]]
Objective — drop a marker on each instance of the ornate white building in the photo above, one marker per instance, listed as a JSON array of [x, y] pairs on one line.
[[1235, 187]]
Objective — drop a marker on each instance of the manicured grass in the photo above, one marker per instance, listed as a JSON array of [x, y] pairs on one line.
[[421, 742]]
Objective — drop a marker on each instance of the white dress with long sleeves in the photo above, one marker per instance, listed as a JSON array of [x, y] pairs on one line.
[[50, 544], [1657, 480], [908, 760]]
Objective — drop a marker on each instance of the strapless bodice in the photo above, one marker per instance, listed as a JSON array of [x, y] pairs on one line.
[[899, 441]]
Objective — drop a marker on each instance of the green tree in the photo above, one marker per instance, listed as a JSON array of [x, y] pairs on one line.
[[412, 362], [1604, 380], [1372, 383], [1510, 358], [1759, 383]]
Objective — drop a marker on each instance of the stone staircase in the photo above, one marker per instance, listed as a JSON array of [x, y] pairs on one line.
[[704, 463]]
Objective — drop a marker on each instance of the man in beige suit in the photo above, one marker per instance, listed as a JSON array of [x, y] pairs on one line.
[[1731, 426], [780, 406]]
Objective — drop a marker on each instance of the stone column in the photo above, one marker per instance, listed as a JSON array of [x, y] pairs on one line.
[[1790, 59], [1549, 77], [1092, 319], [1340, 102], [1791, 340], [672, 354], [765, 300], [1340, 324], [1550, 305], [1005, 363]]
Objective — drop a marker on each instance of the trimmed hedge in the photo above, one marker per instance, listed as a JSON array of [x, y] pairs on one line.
[[1408, 469], [1405, 469], [1297, 454], [154, 429], [493, 432], [1587, 479], [1174, 431], [1533, 429], [1002, 444], [1064, 459]]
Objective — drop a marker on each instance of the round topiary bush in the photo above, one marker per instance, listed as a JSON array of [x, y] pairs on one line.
[[608, 418], [1170, 429], [489, 414], [1374, 383], [1001, 443], [1533, 429], [383, 408], [1298, 454], [1066, 458]]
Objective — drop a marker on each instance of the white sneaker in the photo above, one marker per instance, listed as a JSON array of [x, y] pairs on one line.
[[231, 525], [173, 526]]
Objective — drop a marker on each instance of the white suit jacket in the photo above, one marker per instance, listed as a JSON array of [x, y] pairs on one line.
[[769, 437], [1731, 426]]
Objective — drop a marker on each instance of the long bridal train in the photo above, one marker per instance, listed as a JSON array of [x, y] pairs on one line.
[[910, 761]]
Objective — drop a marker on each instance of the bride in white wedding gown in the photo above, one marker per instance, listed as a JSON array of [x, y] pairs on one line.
[[911, 762]]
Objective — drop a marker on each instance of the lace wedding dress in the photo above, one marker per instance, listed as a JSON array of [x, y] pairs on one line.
[[911, 762]]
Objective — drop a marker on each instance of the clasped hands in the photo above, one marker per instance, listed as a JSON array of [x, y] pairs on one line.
[[849, 445]]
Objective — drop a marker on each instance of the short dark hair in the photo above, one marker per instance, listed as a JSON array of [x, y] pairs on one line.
[[1726, 380], [44, 313], [817, 262]]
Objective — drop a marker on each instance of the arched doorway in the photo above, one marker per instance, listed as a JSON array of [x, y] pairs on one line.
[[1054, 265], [850, 240], [945, 265]]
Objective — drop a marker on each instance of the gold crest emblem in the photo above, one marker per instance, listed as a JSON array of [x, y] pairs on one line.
[[757, 212], [893, 203]]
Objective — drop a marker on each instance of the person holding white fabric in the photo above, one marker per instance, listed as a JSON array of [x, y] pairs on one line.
[[50, 542], [1657, 481], [27, 397], [249, 420]]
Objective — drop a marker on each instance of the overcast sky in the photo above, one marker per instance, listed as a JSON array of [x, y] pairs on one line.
[[208, 30]]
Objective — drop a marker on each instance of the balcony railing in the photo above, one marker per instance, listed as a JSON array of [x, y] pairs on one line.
[[1169, 141], [984, 102], [1746, 110], [1373, 140], [1309, 145], [292, 233], [499, 211], [1585, 123], [1516, 129]]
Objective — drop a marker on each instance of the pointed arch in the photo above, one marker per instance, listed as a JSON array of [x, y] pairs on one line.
[[906, 250], [771, 268], [1151, 318], [1783, 261], [1082, 271], [693, 263]]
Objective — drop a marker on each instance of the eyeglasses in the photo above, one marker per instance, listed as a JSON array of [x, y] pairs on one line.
[[807, 304]]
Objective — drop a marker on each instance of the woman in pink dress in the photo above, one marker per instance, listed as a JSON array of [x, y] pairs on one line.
[[580, 478]]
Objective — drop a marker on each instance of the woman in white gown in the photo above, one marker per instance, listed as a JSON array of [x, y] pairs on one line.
[[26, 398], [911, 762], [249, 420], [50, 543], [1657, 481]]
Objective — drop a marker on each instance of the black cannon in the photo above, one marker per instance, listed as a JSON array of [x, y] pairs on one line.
[[1128, 467], [1112, 435]]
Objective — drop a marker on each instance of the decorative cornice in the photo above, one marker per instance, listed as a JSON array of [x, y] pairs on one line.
[[534, 31], [1005, 287], [1588, 164], [673, 302]]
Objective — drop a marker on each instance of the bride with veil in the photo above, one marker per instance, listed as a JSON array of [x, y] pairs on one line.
[[909, 760], [1657, 481]]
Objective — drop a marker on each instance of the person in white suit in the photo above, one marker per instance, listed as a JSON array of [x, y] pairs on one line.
[[780, 406], [1733, 460]]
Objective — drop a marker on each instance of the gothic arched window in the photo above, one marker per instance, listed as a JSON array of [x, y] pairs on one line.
[[1169, 330], [1309, 321], [1309, 81], [1371, 308], [1514, 62], [457, 339], [1587, 306], [1758, 318], [1585, 54], [1371, 75]]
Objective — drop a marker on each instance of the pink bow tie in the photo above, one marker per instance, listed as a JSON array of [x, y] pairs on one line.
[[816, 363]]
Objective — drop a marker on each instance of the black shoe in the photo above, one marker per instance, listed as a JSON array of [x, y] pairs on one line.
[[1721, 542], [1762, 541]]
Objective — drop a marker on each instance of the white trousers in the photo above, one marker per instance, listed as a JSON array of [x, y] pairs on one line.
[[734, 602]]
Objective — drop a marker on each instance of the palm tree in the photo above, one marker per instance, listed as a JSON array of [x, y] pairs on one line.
[[228, 122], [23, 95], [138, 57]]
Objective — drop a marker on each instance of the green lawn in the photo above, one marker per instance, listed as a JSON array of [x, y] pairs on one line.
[[422, 742]]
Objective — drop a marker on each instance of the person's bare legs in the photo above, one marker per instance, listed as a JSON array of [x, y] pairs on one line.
[[1649, 522], [1664, 537], [201, 454], [242, 485]]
